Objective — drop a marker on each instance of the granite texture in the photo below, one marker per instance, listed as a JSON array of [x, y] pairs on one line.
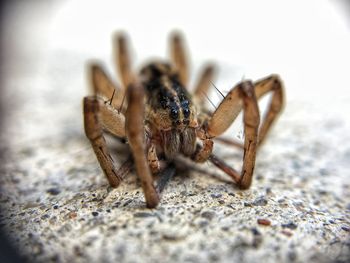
[[56, 205]]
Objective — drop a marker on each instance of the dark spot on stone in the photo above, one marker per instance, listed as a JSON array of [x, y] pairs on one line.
[[292, 255], [346, 228], [255, 231], [257, 240], [247, 204], [281, 200], [183, 193], [94, 213], [287, 233], [45, 216], [203, 223], [171, 237], [225, 228], [261, 201], [55, 258], [78, 251], [53, 191], [216, 195], [290, 225], [208, 215], [113, 228], [55, 207], [268, 191], [214, 257], [143, 214], [127, 202], [322, 192]]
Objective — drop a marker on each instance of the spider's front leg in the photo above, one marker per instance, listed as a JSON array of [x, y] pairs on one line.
[[99, 116], [136, 136], [242, 96]]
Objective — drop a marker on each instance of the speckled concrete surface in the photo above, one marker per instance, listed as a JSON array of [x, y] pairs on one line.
[[56, 205]]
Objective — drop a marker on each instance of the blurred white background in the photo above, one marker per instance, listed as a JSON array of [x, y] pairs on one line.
[[306, 42], [45, 46]]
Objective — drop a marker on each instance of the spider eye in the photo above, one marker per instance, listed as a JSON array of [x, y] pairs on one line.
[[186, 112], [174, 113], [184, 103]]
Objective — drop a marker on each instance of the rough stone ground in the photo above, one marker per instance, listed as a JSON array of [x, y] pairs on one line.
[[56, 205]]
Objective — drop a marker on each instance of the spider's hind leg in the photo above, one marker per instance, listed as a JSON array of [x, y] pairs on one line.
[[179, 57], [123, 60], [203, 83]]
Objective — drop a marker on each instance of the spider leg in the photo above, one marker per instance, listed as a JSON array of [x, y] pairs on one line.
[[103, 87], [98, 116], [178, 57], [203, 84], [165, 176], [262, 87], [203, 152], [153, 160], [123, 60], [242, 96], [136, 137]]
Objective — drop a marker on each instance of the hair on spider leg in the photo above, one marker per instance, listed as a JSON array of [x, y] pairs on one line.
[[209, 100], [121, 104], [223, 96], [111, 99]]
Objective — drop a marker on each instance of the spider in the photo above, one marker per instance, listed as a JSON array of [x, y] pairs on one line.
[[154, 112]]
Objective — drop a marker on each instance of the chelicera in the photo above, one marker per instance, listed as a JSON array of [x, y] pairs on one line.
[[155, 113]]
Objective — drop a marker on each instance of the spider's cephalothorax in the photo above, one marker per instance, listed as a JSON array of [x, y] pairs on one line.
[[160, 119], [170, 112]]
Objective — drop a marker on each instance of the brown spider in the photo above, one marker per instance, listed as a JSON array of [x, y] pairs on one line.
[[159, 119]]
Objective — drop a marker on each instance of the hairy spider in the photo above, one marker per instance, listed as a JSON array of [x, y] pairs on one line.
[[160, 119]]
